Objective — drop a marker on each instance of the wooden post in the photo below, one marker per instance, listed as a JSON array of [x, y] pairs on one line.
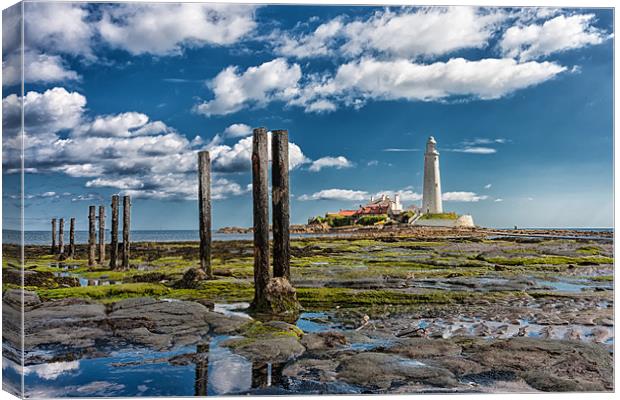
[[204, 206], [260, 162], [202, 369], [126, 222], [72, 238], [53, 249], [61, 236], [92, 235], [280, 204], [114, 233], [101, 234]]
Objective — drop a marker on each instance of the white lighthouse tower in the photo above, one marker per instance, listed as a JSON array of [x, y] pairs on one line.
[[431, 198]]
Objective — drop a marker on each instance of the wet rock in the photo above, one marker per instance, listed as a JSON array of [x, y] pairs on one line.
[[191, 279], [322, 370], [323, 340], [382, 371], [76, 325], [273, 349], [228, 324], [419, 348], [549, 365], [13, 297]]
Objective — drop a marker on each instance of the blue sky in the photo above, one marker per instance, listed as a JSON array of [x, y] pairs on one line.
[[120, 97]]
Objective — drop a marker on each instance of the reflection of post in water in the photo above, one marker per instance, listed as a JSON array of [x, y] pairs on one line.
[[202, 369], [267, 375]]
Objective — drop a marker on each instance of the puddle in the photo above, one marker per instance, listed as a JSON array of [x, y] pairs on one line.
[[501, 330], [232, 309], [312, 322]]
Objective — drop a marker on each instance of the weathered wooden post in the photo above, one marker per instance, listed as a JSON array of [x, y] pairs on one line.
[[280, 204], [101, 234], [53, 249], [126, 222], [260, 163], [72, 238], [114, 232], [204, 206], [92, 235], [61, 236]]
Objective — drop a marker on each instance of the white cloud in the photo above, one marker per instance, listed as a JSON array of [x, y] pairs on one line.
[[37, 68], [463, 196], [368, 78], [238, 157], [318, 43], [123, 125], [119, 183], [488, 186], [234, 90], [475, 150], [498, 200], [336, 194], [330, 162], [555, 35], [59, 28], [237, 130], [126, 151], [407, 33], [359, 195], [165, 29], [400, 150], [422, 32]]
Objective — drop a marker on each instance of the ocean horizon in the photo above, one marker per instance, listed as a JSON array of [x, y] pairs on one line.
[[39, 237]]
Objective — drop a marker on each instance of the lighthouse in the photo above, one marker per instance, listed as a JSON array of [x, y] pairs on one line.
[[431, 198]]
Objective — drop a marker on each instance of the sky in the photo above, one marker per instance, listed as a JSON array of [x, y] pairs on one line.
[[120, 97]]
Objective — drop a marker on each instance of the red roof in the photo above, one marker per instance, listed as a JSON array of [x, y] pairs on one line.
[[347, 213], [373, 209]]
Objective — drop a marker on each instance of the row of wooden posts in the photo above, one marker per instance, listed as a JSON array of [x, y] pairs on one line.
[[59, 249], [260, 192]]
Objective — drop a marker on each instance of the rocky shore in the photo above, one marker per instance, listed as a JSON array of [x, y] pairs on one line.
[[384, 312]]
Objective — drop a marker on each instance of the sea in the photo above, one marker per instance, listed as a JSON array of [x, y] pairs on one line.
[[81, 237]]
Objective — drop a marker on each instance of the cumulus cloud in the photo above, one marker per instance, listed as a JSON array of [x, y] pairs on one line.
[[165, 29], [59, 28], [124, 151], [369, 78], [52, 29], [237, 130], [488, 186], [404, 33], [558, 34], [238, 157], [330, 162], [358, 81], [463, 196], [37, 68], [234, 89], [336, 194], [359, 195]]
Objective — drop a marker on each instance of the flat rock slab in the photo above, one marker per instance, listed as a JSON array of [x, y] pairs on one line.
[[276, 349], [384, 371], [74, 326]]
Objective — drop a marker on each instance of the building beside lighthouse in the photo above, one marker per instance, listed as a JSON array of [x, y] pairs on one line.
[[431, 195]]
